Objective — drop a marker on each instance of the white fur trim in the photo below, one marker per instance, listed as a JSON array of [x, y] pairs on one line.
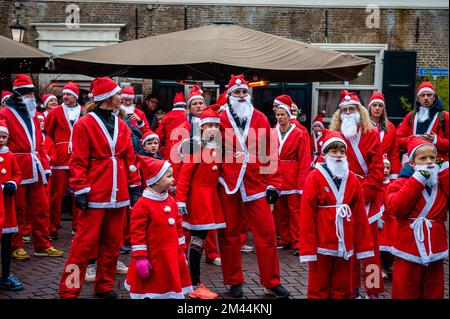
[[349, 102], [4, 129], [180, 103], [48, 99], [210, 120], [235, 87], [426, 89], [5, 98], [331, 140], [317, 122], [160, 174], [286, 108], [102, 97], [128, 96], [132, 168], [70, 92], [376, 101], [194, 97], [149, 137], [411, 155], [23, 86]]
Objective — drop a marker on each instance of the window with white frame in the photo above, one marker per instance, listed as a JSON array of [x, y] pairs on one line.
[[326, 95]]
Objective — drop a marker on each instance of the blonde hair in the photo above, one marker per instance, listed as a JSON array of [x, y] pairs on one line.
[[364, 123], [92, 105]]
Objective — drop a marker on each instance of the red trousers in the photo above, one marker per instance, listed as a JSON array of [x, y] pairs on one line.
[[32, 205], [415, 281], [60, 181], [97, 228], [373, 272], [287, 219], [330, 278], [126, 239], [262, 225]]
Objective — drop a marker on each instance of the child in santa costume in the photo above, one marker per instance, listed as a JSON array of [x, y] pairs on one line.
[[316, 137], [365, 159], [150, 145], [419, 201], [25, 142], [105, 181], [10, 178], [333, 223], [197, 197], [4, 97], [295, 163], [135, 116], [158, 268]]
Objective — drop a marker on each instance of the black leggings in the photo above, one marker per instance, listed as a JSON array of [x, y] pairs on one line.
[[195, 254], [6, 255]]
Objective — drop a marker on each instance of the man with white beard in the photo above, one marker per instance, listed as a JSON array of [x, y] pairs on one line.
[[428, 121], [250, 182], [365, 159]]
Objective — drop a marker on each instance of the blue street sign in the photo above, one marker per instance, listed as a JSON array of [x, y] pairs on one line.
[[433, 72]]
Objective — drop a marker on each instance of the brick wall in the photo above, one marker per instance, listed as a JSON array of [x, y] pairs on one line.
[[397, 27]]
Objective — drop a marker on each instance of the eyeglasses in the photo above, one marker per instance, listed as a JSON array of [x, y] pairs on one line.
[[240, 92], [349, 110]]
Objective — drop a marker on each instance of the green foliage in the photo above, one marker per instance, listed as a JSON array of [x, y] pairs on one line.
[[406, 104]]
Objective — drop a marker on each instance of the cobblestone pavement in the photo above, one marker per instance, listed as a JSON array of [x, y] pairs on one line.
[[41, 275]]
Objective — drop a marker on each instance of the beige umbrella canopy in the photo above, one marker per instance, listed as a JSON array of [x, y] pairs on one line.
[[214, 52], [17, 57]]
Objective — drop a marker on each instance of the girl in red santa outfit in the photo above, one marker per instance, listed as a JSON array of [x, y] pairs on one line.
[[197, 196], [316, 138], [158, 268], [333, 223], [419, 201], [10, 178]]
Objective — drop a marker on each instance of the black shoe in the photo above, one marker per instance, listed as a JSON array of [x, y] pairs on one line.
[[295, 252], [54, 235], [278, 291], [236, 291], [107, 295]]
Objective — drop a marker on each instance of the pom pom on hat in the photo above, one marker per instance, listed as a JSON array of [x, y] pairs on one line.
[[236, 82], [349, 98]]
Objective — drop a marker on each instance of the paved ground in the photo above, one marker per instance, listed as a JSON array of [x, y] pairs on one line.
[[41, 275]]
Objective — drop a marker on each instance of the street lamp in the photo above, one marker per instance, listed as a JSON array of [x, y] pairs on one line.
[[17, 31]]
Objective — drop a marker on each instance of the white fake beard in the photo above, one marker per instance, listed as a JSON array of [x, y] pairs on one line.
[[31, 105], [349, 126], [73, 112], [337, 166], [433, 169], [242, 109], [128, 109], [423, 114]]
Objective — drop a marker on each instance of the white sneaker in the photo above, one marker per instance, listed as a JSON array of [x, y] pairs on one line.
[[217, 261], [91, 272], [246, 249], [121, 268], [26, 239]]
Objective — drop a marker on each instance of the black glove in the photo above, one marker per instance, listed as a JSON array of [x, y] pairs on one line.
[[271, 196], [81, 201], [439, 161], [9, 188], [135, 194], [425, 173]]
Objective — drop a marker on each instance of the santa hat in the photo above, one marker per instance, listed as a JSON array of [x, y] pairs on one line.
[[103, 88], [4, 127], [71, 88], [23, 84], [319, 119], [285, 102], [236, 82], [128, 92], [426, 87], [46, 98], [330, 137], [40, 116], [179, 100], [349, 98], [195, 93], [414, 142], [209, 115], [386, 160], [148, 136], [377, 97], [5, 96], [152, 169]]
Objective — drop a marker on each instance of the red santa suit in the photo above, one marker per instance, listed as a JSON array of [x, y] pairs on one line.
[[410, 126], [294, 165], [169, 122], [102, 166], [316, 140], [333, 228], [420, 243], [9, 172], [245, 179], [386, 233]]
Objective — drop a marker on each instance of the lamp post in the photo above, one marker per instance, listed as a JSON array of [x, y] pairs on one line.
[[17, 31]]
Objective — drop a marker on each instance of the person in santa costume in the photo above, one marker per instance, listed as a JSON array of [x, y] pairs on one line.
[[158, 267], [333, 223], [170, 121], [365, 159], [4, 97], [25, 142], [59, 125], [295, 163], [197, 197], [49, 102], [105, 181], [387, 132], [250, 182], [419, 201], [428, 121], [316, 137], [10, 178], [135, 116], [150, 145]]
